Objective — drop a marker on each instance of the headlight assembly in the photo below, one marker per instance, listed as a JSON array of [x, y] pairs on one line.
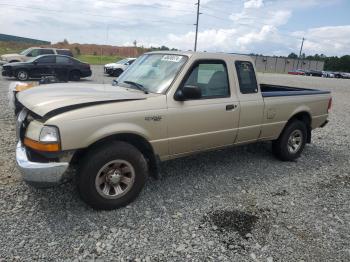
[[49, 140], [49, 134]]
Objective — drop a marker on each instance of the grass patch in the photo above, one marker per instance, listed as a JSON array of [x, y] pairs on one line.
[[6, 50], [98, 60]]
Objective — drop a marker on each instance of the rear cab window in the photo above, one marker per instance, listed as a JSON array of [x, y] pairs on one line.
[[246, 77]]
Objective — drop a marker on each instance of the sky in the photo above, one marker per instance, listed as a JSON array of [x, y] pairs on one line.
[[269, 27]]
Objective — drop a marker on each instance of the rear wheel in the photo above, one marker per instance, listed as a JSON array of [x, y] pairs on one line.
[[291, 142], [22, 75], [74, 75], [112, 176]]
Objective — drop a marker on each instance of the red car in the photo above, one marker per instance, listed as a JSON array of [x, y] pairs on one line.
[[297, 72]]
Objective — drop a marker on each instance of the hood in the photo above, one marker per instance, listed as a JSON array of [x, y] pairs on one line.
[[16, 63], [52, 99], [112, 65], [10, 56]]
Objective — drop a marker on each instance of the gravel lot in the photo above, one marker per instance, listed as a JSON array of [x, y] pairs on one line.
[[238, 204]]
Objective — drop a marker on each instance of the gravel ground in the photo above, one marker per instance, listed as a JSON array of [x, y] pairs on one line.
[[238, 204]]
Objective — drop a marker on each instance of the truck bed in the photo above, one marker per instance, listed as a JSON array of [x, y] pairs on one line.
[[275, 90]]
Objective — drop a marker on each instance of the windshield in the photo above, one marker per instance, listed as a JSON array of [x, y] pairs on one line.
[[24, 52], [154, 72]]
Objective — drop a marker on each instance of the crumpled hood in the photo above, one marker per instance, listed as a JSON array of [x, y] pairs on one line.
[[45, 99]]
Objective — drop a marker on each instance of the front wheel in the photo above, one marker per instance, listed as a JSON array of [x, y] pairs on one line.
[[117, 72], [112, 176], [22, 75], [291, 142]]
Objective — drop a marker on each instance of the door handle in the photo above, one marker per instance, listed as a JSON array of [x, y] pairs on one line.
[[230, 107]]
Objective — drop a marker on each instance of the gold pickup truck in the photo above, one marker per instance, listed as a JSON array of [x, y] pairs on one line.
[[166, 105]]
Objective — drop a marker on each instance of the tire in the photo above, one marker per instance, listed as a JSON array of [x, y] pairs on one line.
[[287, 149], [111, 176], [117, 72], [74, 75], [22, 75]]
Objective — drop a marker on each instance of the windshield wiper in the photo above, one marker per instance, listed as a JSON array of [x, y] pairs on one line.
[[137, 85]]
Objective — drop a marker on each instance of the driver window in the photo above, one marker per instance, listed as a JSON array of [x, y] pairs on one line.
[[46, 60], [34, 53], [211, 78]]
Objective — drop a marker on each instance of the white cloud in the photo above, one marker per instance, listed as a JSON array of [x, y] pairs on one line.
[[237, 26], [330, 40], [253, 3]]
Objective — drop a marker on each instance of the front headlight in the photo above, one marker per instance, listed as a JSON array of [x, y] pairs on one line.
[[49, 139], [49, 134]]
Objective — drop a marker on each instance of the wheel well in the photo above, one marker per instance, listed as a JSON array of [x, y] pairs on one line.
[[305, 118], [137, 141]]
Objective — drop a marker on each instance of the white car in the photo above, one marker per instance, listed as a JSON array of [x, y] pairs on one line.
[[115, 69]]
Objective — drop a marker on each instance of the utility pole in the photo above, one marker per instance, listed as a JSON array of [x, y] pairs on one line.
[[301, 50], [196, 24]]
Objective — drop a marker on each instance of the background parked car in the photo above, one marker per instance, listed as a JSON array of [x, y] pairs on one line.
[[31, 52], [297, 72], [328, 74], [314, 73], [63, 67], [117, 68]]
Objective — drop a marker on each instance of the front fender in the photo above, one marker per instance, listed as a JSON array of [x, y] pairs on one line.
[[115, 129]]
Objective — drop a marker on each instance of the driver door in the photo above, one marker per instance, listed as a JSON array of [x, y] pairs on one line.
[[208, 122], [43, 66]]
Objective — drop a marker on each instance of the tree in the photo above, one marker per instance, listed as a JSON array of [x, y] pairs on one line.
[[77, 50], [293, 55], [65, 41]]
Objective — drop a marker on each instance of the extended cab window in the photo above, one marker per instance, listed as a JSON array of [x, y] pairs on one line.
[[211, 78], [246, 77]]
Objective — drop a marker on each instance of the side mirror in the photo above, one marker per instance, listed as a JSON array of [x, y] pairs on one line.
[[29, 55], [188, 92], [35, 62]]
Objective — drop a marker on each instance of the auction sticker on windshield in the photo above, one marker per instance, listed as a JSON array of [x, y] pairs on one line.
[[172, 58]]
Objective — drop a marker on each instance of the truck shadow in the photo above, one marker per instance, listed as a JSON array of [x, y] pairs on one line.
[[191, 179]]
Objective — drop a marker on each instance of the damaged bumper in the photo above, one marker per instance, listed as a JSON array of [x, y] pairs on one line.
[[39, 174]]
